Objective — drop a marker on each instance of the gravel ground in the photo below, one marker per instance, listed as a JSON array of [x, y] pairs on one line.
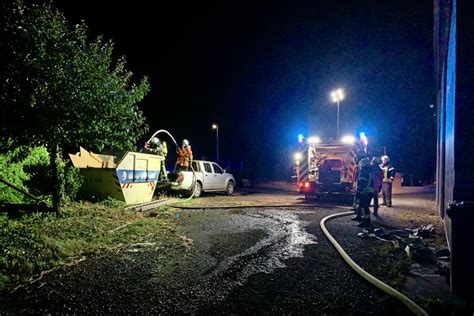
[[239, 261]]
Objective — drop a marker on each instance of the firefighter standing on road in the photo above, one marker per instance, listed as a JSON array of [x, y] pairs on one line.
[[388, 175], [360, 154], [378, 179], [365, 190], [185, 155]]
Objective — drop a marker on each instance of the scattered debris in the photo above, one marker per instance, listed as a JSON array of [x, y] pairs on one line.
[[424, 230], [411, 240], [420, 253], [187, 242], [140, 246]]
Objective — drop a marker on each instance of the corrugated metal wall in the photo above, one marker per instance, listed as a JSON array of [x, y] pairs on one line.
[[445, 74]]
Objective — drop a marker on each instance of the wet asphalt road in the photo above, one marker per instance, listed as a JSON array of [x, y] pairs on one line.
[[242, 261]]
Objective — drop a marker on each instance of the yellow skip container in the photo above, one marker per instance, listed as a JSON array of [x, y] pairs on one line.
[[132, 179]]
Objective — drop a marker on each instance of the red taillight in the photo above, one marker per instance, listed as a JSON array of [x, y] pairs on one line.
[[306, 184]]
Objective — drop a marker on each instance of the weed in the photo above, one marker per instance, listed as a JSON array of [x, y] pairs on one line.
[[38, 242], [392, 265]]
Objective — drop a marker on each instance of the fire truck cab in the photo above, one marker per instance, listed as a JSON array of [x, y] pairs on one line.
[[326, 169]]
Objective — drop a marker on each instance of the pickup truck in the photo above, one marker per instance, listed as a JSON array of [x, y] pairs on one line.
[[208, 176]]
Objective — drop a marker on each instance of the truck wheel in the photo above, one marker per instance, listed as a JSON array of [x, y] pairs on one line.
[[229, 190], [197, 190]]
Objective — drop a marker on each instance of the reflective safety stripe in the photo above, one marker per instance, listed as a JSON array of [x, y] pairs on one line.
[[352, 165], [304, 171]]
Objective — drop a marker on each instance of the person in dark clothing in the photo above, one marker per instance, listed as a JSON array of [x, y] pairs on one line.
[[365, 190], [356, 203], [378, 178]]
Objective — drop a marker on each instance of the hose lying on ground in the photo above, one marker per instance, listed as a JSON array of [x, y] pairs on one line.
[[370, 278]]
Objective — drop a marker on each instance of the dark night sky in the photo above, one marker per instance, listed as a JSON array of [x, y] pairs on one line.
[[263, 71]]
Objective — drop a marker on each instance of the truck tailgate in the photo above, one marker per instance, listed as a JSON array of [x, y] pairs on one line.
[[186, 183]]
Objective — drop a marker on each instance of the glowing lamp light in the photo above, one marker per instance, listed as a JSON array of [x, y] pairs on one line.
[[314, 140], [298, 156], [337, 95], [300, 138], [348, 139], [214, 126]]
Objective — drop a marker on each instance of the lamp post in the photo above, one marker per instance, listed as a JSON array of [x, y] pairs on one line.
[[337, 96], [216, 127]]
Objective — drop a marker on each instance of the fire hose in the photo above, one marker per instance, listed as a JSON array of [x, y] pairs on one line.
[[416, 309], [194, 180]]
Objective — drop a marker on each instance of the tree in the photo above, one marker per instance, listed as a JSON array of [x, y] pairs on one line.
[[59, 90]]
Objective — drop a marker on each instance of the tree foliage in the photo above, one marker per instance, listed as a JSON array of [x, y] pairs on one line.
[[60, 90], [25, 168]]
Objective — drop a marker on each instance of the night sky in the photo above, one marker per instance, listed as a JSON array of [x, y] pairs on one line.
[[263, 71]]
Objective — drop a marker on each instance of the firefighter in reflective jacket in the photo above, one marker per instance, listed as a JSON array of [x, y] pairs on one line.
[[157, 147], [388, 175], [185, 155], [365, 191]]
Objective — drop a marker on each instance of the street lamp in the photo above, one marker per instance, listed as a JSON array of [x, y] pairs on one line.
[[216, 127], [337, 96]]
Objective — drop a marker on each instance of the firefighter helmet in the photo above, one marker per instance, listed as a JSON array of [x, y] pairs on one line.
[[155, 141], [185, 143], [385, 158]]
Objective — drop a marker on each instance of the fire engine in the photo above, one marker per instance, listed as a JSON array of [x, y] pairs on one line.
[[326, 168]]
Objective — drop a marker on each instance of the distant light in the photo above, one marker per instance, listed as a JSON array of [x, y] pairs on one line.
[[363, 138], [214, 126], [300, 138], [314, 140], [337, 95], [298, 156], [348, 139]]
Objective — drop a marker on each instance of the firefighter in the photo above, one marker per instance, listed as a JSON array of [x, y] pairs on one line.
[[378, 178], [365, 191], [388, 175], [185, 155], [155, 146], [360, 154]]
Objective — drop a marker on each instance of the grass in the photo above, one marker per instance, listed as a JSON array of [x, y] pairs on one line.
[[38, 242], [392, 265]]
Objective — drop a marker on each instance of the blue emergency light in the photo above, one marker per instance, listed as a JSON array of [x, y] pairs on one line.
[[300, 138]]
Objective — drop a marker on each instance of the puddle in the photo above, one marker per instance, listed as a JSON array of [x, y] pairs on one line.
[[286, 238]]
